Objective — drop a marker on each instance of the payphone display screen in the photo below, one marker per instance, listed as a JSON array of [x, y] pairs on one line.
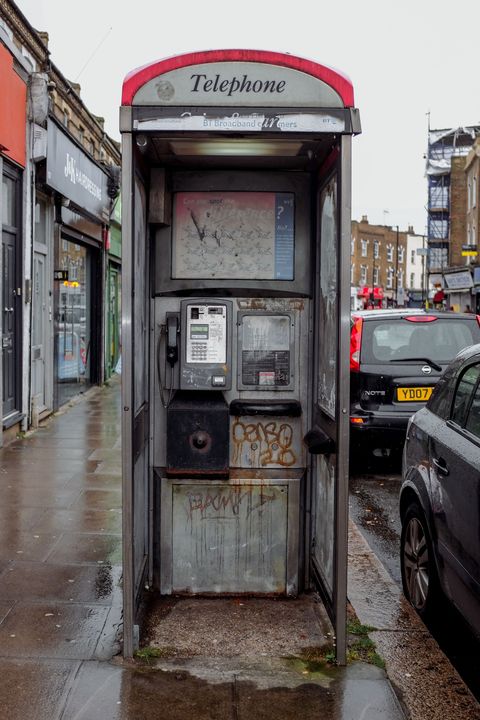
[[233, 235], [266, 350]]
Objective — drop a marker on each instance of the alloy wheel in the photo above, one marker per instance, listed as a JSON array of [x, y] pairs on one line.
[[416, 563]]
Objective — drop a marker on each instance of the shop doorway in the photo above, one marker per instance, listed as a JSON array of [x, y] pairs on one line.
[[74, 321], [42, 373], [11, 312]]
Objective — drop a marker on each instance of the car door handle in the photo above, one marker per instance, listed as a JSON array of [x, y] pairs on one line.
[[441, 466]]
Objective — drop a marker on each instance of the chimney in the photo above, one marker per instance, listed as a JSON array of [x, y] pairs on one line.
[[75, 87], [411, 231], [364, 219]]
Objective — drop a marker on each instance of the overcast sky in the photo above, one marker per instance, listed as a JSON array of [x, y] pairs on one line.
[[405, 59]]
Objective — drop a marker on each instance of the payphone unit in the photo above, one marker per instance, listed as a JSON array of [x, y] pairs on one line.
[[206, 340]]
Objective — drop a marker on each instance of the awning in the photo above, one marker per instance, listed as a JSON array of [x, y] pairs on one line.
[[366, 292]]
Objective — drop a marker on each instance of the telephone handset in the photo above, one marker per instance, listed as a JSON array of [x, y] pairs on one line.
[[169, 339], [172, 339]]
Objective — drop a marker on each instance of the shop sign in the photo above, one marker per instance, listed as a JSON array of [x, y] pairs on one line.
[[71, 172], [60, 275], [456, 281], [469, 251]]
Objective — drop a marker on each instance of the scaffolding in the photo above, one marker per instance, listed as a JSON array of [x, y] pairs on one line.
[[442, 146]]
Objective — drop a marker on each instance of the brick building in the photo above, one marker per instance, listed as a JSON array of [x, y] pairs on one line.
[[378, 263]]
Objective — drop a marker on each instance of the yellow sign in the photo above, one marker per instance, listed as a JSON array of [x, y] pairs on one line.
[[413, 394]]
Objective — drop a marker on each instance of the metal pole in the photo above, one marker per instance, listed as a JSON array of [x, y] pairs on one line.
[[373, 276], [423, 270], [396, 272]]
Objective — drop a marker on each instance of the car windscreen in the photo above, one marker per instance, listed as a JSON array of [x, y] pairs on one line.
[[400, 339]]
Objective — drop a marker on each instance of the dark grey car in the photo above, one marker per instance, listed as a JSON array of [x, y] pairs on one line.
[[440, 494]]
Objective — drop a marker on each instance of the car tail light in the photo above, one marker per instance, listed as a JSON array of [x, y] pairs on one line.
[[355, 344], [356, 420], [421, 318], [478, 319]]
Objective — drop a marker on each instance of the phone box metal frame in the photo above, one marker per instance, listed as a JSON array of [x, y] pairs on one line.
[[236, 193]]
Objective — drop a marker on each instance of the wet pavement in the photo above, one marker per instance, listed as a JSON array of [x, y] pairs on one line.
[[374, 509], [60, 608], [426, 683]]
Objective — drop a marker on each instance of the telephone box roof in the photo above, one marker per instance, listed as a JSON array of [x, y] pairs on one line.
[[337, 80]]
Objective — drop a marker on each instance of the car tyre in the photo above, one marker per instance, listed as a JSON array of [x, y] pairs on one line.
[[419, 573]]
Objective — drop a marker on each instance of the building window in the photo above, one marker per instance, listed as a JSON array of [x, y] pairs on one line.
[[352, 247], [400, 278], [81, 134], [401, 252], [66, 118], [364, 248], [390, 278], [412, 280], [376, 252], [412, 257], [363, 274], [389, 253], [352, 274], [376, 272]]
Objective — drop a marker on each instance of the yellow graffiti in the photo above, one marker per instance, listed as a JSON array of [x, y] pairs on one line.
[[272, 442]]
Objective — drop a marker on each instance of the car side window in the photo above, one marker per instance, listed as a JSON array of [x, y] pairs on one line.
[[473, 419], [463, 394], [441, 398]]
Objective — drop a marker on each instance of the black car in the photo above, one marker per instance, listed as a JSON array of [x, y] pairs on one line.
[[396, 359], [440, 494]]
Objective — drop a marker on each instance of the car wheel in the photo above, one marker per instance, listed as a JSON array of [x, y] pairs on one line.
[[419, 574]]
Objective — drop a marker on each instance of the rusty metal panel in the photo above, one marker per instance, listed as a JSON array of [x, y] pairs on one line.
[[266, 442], [230, 537]]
